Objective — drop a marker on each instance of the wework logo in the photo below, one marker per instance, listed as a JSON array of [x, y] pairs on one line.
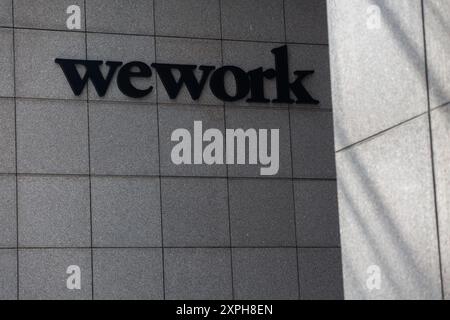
[[248, 85]]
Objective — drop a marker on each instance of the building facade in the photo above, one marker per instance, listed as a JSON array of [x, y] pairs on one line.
[[224, 149], [92, 205], [390, 107]]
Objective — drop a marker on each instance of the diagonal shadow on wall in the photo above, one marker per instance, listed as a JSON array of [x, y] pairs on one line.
[[393, 233]]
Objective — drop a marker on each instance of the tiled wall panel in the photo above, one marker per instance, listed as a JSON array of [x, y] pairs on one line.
[[389, 67], [93, 175]]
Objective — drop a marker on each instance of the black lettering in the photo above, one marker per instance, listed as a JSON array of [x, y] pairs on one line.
[[92, 72], [284, 87], [125, 75], [187, 77], [175, 76], [217, 83], [257, 77]]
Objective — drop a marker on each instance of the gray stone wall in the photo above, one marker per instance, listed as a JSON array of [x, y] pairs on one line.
[[88, 181], [390, 82]]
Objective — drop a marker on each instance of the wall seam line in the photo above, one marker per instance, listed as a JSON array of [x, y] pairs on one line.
[[168, 36], [159, 158], [89, 157], [292, 173], [15, 155], [380, 133], [433, 171], [226, 165]]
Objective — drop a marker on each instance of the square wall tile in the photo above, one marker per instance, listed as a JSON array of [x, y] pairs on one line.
[[47, 14], [366, 66], [190, 52], [195, 212], [54, 211], [120, 16], [8, 276], [253, 20], [6, 13], [250, 56], [128, 274], [172, 118], [437, 15], [268, 119], [317, 213], [387, 215], [265, 274], [262, 212], [6, 63], [44, 273], [126, 212], [306, 21], [313, 144], [188, 18], [203, 274], [8, 227], [122, 48], [52, 137], [320, 273], [440, 120], [37, 74], [318, 84], [7, 133], [124, 139]]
